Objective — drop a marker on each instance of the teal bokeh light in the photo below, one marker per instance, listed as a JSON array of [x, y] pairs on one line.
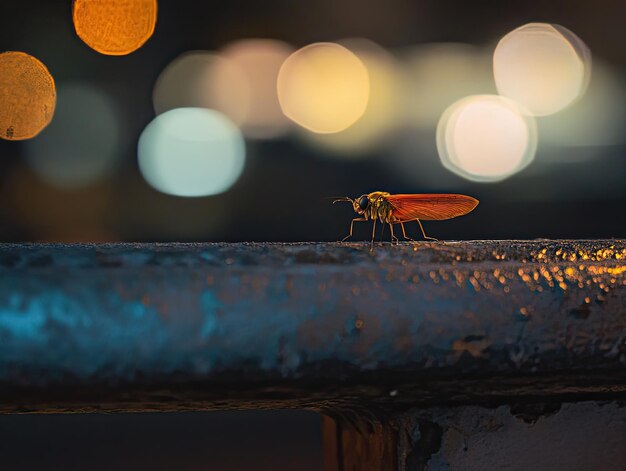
[[82, 144], [191, 152]]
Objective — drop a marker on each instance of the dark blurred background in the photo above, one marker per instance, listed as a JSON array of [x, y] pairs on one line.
[[228, 441], [570, 190], [575, 187]]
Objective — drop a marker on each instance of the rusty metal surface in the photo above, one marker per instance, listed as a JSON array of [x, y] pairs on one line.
[[207, 326]]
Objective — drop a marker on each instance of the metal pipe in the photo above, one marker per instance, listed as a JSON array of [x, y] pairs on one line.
[[329, 326]]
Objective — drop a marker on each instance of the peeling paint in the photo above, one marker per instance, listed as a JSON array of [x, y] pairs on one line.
[[585, 435]]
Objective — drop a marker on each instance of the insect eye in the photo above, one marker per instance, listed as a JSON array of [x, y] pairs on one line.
[[363, 202]]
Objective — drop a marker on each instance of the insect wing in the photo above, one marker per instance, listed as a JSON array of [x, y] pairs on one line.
[[430, 207]]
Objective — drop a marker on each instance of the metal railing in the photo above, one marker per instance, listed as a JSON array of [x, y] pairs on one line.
[[361, 337]]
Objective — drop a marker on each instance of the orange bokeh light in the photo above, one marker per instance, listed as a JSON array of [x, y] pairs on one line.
[[115, 27], [27, 96]]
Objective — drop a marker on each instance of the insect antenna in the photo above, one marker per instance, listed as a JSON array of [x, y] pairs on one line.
[[342, 198]]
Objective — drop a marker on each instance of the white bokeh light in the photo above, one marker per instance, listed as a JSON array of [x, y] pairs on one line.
[[259, 60], [191, 152], [486, 138], [201, 79], [435, 75], [441, 73], [81, 145], [543, 67], [323, 87]]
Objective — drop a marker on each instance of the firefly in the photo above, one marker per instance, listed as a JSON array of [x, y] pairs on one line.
[[400, 209]]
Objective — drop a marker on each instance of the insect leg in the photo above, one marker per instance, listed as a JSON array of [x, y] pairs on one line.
[[351, 226], [424, 234], [393, 237], [404, 233], [373, 234]]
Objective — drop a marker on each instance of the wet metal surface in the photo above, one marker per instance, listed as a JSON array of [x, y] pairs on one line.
[[205, 326]]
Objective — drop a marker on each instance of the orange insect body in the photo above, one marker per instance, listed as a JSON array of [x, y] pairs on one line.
[[399, 209]]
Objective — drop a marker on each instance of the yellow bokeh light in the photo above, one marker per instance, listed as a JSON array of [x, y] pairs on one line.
[[383, 108], [200, 79], [114, 27], [543, 67], [27, 96], [323, 87], [441, 73], [259, 60], [486, 138]]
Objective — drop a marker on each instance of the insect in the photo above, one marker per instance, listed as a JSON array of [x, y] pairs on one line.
[[400, 209]]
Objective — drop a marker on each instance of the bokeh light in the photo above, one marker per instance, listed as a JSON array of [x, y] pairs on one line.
[[597, 119], [115, 28], [191, 152], [200, 79], [323, 87], [259, 60], [543, 67], [439, 74], [82, 144], [486, 138], [27, 96], [383, 111], [436, 75]]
